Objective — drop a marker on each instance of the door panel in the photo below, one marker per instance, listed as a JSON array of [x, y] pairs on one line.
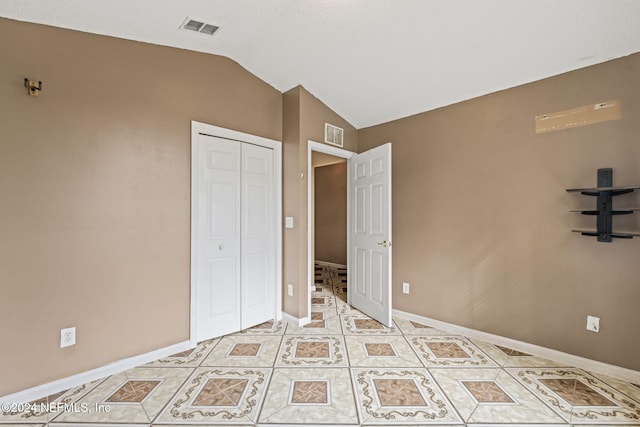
[[222, 271], [256, 221], [218, 243], [222, 218], [370, 219], [360, 210], [258, 235], [255, 269], [359, 272]]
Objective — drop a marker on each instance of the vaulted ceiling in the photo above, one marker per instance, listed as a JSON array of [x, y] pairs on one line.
[[372, 61]]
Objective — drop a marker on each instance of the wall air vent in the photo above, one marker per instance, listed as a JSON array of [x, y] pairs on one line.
[[199, 26], [333, 135]]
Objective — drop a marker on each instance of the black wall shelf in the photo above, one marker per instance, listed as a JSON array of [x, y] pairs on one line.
[[604, 207]]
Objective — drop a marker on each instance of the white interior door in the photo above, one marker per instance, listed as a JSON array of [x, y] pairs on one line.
[[370, 233], [218, 266], [258, 235]]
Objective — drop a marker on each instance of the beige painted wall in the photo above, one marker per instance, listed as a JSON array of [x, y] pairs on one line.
[[95, 191], [291, 194], [303, 119], [330, 234], [481, 227]]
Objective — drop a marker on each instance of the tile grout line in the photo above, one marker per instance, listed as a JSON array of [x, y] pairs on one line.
[[354, 391], [273, 371]]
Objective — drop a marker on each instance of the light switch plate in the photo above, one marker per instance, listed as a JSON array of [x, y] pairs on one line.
[[288, 222]]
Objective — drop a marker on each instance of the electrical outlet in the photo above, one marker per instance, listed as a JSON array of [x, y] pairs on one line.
[[405, 287], [593, 324], [288, 222], [67, 337], [290, 290]]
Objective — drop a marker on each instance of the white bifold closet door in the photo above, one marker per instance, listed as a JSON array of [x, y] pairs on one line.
[[235, 236]]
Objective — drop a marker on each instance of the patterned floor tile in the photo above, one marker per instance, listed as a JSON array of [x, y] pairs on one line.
[[244, 350], [190, 358], [360, 324], [45, 409], [409, 327], [342, 307], [510, 358], [267, 328], [580, 398], [313, 350], [317, 396], [491, 395], [322, 289], [370, 375], [628, 388], [449, 351], [218, 396], [323, 301], [402, 395], [135, 396], [323, 321], [380, 351]]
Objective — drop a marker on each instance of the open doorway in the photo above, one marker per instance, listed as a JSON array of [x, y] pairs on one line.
[[368, 230], [321, 155], [329, 231]]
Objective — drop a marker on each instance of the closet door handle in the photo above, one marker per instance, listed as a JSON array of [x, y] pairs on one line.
[[221, 247]]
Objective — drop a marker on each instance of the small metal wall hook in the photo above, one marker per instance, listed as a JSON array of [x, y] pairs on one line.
[[33, 87]]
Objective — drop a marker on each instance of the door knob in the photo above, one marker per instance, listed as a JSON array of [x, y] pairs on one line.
[[385, 244], [221, 247]]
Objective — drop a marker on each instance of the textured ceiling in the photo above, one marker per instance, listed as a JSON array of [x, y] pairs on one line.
[[372, 60]]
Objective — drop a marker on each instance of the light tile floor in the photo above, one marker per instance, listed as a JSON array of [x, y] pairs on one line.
[[344, 369]]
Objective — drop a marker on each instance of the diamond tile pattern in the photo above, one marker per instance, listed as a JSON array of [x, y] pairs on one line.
[[448, 350], [310, 392], [242, 349], [346, 369], [367, 324], [312, 349], [183, 353], [398, 392], [379, 350], [576, 392], [133, 391], [512, 353], [487, 392], [419, 325], [221, 392]]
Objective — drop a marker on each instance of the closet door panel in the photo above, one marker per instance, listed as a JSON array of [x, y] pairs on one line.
[[258, 235], [218, 244]]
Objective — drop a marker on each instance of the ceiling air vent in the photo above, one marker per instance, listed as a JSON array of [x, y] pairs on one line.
[[333, 134], [199, 26]]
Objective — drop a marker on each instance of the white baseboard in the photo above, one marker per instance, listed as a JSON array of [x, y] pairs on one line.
[[116, 367], [299, 322], [558, 356], [330, 264]]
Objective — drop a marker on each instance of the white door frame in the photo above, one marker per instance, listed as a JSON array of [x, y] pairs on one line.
[[334, 151], [276, 146]]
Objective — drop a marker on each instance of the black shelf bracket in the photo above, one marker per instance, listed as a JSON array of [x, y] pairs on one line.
[[604, 207]]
